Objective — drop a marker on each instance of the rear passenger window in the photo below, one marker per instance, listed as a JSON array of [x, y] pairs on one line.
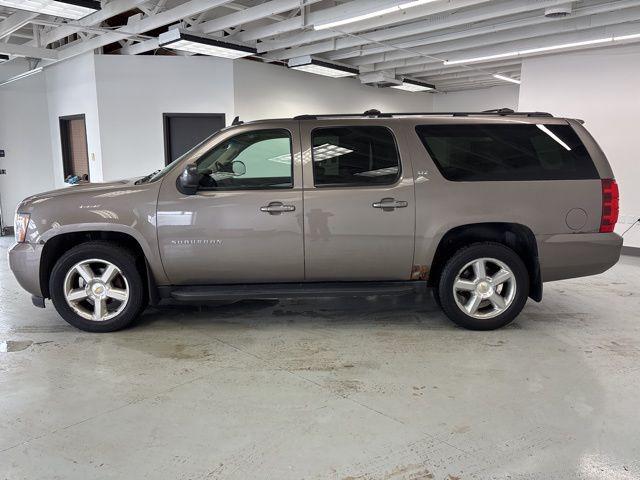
[[486, 152], [354, 156]]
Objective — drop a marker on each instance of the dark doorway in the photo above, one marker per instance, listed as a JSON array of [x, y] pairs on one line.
[[183, 131], [73, 138]]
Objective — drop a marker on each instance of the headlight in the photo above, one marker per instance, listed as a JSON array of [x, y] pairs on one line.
[[21, 224]]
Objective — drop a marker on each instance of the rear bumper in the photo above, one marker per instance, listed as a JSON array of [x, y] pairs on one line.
[[24, 261], [577, 254]]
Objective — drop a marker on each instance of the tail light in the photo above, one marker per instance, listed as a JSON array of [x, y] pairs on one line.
[[610, 205]]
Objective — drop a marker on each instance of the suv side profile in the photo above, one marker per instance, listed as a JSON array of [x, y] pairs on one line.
[[480, 207]]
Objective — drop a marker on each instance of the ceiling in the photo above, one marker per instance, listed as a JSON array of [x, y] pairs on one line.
[[453, 44]]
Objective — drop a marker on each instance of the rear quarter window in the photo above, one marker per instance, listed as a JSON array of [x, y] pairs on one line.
[[490, 152]]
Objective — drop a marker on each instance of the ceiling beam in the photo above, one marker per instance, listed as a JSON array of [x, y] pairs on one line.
[[422, 71], [15, 22], [264, 10], [185, 10], [27, 51], [473, 74], [109, 10], [469, 16], [351, 9], [494, 25], [439, 45], [474, 86], [551, 40], [376, 22], [248, 15]]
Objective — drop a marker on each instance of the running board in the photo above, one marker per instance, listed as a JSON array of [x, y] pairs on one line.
[[208, 293]]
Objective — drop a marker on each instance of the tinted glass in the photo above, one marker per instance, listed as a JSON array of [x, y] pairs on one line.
[[507, 152], [259, 159], [354, 156]]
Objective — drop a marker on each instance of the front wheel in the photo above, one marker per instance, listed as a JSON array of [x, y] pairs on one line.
[[97, 287], [484, 286]]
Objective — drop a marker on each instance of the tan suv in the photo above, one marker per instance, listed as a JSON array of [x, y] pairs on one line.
[[481, 207]]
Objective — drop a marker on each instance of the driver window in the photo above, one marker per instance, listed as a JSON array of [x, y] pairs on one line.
[[258, 159]]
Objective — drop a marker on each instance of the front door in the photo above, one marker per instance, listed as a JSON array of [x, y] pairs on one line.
[[244, 225], [359, 203]]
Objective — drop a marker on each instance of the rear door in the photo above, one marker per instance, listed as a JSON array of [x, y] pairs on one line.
[[359, 207]]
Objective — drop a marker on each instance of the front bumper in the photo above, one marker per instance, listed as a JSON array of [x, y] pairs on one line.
[[577, 254], [24, 261]]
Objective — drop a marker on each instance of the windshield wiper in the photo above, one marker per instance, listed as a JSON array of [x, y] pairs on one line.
[[147, 178]]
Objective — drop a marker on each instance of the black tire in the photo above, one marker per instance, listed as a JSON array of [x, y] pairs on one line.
[[476, 251], [436, 296], [121, 258]]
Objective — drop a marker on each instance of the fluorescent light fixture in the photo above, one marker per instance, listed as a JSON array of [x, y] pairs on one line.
[[414, 86], [319, 67], [375, 13], [3, 57], [481, 59], [21, 76], [621, 38], [596, 41], [553, 135], [73, 9], [187, 42], [506, 79], [566, 45]]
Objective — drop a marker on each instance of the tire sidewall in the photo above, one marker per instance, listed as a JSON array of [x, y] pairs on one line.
[[121, 259], [462, 258]]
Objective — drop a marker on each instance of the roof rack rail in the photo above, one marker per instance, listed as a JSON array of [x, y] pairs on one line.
[[377, 114]]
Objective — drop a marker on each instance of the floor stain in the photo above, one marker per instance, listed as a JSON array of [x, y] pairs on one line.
[[172, 351], [345, 387], [404, 472], [8, 346]]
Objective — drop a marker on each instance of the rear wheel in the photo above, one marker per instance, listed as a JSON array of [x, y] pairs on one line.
[[484, 286], [96, 286]]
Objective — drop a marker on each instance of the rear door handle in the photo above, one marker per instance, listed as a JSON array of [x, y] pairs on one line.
[[390, 204], [275, 208]]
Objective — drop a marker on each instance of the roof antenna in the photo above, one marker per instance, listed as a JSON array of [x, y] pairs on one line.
[[236, 121], [372, 113]]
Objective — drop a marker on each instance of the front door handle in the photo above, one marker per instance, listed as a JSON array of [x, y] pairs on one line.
[[276, 208], [389, 204]]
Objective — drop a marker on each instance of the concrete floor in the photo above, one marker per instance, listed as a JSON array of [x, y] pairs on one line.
[[361, 389]]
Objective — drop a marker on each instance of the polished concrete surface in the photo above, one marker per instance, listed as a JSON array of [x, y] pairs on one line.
[[359, 389]]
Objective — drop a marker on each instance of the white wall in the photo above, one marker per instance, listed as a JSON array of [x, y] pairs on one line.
[[477, 100], [71, 90], [268, 91], [600, 87], [134, 92], [25, 138]]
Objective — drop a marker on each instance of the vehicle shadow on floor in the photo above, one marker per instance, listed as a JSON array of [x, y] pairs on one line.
[[418, 310]]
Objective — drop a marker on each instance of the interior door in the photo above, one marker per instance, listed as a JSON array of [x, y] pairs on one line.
[[183, 131], [359, 206], [73, 139], [244, 225]]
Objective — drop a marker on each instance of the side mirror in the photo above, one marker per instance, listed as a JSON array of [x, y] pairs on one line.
[[238, 168], [189, 181]]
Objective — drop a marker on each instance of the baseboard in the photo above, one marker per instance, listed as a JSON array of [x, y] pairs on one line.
[[633, 251]]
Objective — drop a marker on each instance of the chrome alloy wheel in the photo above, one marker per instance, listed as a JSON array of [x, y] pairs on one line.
[[96, 289], [484, 288]]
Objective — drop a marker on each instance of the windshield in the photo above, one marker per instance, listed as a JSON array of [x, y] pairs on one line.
[[161, 173]]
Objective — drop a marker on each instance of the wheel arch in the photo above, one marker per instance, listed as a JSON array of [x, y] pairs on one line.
[[56, 245], [518, 237]]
